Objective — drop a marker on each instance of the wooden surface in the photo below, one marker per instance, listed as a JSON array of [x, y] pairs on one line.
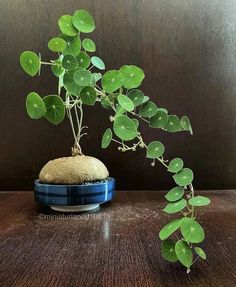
[[117, 245], [187, 49]]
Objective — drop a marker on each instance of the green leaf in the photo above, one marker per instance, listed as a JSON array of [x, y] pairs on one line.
[[57, 45], [133, 76], [83, 60], [125, 128], [55, 109], [106, 138], [185, 124], [159, 120], [145, 99], [148, 110], [88, 45], [175, 165], [173, 124], [69, 62], [199, 201], [183, 177], [184, 253], [169, 229], [174, 207], [83, 21], [119, 110], [126, 103], [106, 102], [155, 149], [168, 250], [136, 96], [97, 76], [163, 110], [30, 63], [98, 63], [191, 230], [136, 122], [73, 45], [66, 26], [57, 69], [200, 252], [70, 85], [82, 77], [35, 106], [111, 81], [88, 95], [175, 193]]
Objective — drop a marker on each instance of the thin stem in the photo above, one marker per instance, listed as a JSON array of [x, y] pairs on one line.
[[192, 195], [137, 115], [47, 63]]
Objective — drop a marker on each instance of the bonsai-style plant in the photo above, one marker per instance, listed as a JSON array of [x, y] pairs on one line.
[[81, 82]]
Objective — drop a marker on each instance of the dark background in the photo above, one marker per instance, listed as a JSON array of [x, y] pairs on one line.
[[187, 49]]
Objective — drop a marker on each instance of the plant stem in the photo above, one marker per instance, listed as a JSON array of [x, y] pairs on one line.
[[68, 110], [47, 63]]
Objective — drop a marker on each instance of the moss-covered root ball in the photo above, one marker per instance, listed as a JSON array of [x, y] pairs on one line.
[[73, 170]]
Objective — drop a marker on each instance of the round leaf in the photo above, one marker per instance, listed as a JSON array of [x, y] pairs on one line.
[[88, 45], [35, 106], [98, 63], [55, 109], [133, 76], [184, 253], [57, 69], [168, 250], [169, 229], [191, 230], [97, 76], [82, 77], [136, 122], [125, 128], [88, 96], [119, 110], [136, 96], [126, 103], [145, 99], [175, 165], [83, 60], [83, 21], [106, 102], [183, 177], [155, 149], [69, 62], [30, 63], [57, 45], [200, 252], [173, 124], [106, 138], [70, 85], [148, 110], [159, 120], [174, 207], [185, 124], [73, 45], [163, 110], [111, 81], [66, 26], [175, 193], [199, 201]]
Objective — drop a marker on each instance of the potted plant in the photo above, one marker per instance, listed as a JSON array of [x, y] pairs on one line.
[[69, 180]]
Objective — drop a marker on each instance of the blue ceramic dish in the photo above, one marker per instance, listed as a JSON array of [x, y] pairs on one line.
[[74, 197]]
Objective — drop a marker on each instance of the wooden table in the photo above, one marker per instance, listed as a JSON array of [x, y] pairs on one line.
[[117, 245]]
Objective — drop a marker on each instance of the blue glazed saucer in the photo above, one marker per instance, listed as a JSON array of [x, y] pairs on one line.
[[74, 198]]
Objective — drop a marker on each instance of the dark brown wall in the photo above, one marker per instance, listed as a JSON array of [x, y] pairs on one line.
[[187, 49]]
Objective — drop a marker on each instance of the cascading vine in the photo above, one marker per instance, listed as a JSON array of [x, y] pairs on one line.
[[116, 90]]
